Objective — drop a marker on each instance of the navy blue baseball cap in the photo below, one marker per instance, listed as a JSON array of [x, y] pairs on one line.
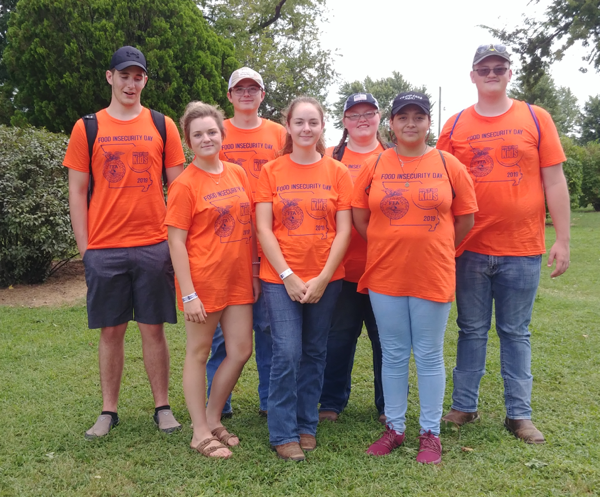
[[360, 98], [411, 98], [126, 57]]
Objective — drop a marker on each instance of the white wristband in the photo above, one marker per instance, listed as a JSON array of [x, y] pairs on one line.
[[286, 273], [189, 298]]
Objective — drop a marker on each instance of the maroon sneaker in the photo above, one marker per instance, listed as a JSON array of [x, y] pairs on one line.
[[389, 441], [430, 449]]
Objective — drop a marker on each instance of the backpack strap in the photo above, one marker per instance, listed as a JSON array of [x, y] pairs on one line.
[[537, 125], [159, 122], [368, 188], [454, 125], [91, 131], [447, 174]]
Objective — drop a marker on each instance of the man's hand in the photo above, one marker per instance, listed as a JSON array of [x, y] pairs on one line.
[[560, 253]]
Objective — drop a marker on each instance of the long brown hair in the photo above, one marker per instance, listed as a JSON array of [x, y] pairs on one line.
[[288, 147]]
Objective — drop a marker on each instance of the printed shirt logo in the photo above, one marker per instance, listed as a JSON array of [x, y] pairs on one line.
[[116, 164], [301, 206], [232, 227], [494, 149], [421, 209]]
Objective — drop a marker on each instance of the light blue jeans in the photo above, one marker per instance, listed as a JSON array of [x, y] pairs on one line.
[[405, 323], [299, 333], [262, 351], [511, 284]]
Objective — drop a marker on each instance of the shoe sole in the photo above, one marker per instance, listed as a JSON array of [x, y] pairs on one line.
[[167, 431], [94, 437], [286, 458], [530, 442], [456, 425]]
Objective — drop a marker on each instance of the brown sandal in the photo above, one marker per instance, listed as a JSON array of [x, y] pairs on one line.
[[205, 450], [223, 436]]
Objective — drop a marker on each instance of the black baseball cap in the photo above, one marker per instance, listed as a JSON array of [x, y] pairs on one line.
[[411, 98], [489, 49], [126, 57], [360, 98]]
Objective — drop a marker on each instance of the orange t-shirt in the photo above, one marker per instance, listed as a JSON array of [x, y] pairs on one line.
[[217, 218], [501, 154], [410, 249], [305, 201], [128, 204], [252, 148], [356, 255]]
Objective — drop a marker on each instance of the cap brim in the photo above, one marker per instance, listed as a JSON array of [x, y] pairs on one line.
[[123, 65], [395, 110]]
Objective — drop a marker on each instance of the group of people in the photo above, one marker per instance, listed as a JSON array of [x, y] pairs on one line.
[[267, 230]]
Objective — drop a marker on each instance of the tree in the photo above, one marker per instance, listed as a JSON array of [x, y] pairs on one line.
[[384, 90], [559, 102], [565, 23], [280, 40], [591, 120], [6, 89], [58, 52]]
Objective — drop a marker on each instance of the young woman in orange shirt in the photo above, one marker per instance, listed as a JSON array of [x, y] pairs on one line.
[[413, 205], [303, 221], [209, 218]]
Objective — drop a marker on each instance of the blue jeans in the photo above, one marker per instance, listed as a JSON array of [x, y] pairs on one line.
[[262, 349], [299, 333], [405, 323], [352, 309], [510, 282]]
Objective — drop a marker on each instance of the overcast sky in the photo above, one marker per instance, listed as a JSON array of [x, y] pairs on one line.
[[431, 43]]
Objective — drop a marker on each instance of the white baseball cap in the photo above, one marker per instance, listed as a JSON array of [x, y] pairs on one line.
[[245, 73]]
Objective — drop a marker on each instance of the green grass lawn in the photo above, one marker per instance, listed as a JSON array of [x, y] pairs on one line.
[[50, 394]]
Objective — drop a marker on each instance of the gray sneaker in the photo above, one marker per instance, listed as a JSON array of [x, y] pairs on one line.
[[101, 427], [166, 422]]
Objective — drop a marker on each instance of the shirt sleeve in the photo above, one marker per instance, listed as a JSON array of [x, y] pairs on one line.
[[345, 189], [551, 151], [77, 156], [174, 151], [264, 189], [444, 143], [180, 206], [465, 201], [360, 198]]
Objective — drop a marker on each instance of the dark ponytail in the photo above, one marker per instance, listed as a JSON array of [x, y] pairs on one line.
[[339, 146]]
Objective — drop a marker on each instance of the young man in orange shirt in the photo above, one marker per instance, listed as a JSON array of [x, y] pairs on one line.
[[513, 153], [250, 141], [121, 234]]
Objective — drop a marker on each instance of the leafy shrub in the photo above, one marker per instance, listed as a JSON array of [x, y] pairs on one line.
[[591, 176], [35, 226], [574, 173]]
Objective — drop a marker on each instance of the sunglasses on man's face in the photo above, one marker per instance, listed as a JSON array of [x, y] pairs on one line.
[[498, 71]]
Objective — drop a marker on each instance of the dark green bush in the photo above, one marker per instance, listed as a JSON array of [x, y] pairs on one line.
[[574, 174], [35, 227], [591, 176]]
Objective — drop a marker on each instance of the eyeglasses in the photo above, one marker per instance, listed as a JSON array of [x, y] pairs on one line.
[[367, 115], [498, 71], [491, 46], [240, 90]]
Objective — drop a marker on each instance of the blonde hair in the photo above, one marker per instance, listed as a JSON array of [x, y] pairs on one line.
[[196, 110], [288, 147]]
